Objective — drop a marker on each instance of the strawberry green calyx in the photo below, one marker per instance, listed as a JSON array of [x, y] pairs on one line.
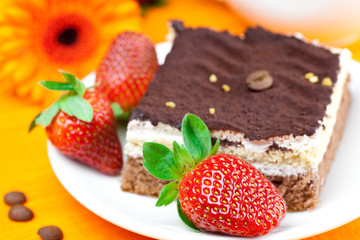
[[119, 113], [159, 161], [184, 218], [164, 164], [71, 102]]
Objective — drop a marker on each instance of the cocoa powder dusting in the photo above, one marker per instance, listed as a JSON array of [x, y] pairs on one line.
[[292, 105]]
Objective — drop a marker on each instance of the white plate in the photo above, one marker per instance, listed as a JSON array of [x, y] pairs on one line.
[[101, 194]]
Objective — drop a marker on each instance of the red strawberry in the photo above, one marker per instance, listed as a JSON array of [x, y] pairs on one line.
[[127, 68], [83, 128], [226, 194], [219, 194]]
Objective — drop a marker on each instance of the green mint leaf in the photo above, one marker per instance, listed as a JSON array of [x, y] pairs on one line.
[[183, 158], [159, 162], [119, 113], [59, 86], [168, 194], [184, 218], [78, 107], [33, 123], [47, 116], [215, 148], [196, 137]]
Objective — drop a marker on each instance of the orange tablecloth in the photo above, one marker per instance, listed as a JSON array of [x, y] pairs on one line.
[[24, 162]]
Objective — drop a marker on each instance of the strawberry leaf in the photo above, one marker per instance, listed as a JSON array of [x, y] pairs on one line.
[[63, 103], [182, 158], [215, 147], [33, 123], [168, 194], [60, 86], [77, 106], [159, 162], [79, 87], [69, 78], [196, 137], [47, 116], [184, 218]]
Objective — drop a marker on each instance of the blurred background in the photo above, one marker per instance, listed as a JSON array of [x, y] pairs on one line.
[[38, 37]]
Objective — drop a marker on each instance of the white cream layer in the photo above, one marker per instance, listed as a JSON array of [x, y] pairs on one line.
[[305, 152]]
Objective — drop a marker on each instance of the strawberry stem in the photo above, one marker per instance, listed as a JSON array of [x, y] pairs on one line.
[[71, 102]]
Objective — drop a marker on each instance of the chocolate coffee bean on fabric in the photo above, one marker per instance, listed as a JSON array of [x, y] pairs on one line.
[[13, 198], [20, 213], [50, 233]]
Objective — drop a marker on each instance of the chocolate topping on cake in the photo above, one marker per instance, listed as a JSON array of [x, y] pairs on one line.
[[178, 26], [276, 147], [292, 105]]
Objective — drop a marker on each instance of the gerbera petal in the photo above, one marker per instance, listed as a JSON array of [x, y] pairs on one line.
[[13, 46], [37, 93], [7, 30], [17, 14], [124, 10], [25, 71], [98, 6], [9, 67], [131, 25], [37, 37], [24, 89]]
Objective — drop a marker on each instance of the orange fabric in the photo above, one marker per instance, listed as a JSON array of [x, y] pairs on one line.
[[23, 156]]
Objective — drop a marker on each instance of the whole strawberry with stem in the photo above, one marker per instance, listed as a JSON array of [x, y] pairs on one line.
[[81, 124], [221, 193], [127, 69]]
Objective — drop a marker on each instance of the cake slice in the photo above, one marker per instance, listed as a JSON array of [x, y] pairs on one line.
[[289, 131]]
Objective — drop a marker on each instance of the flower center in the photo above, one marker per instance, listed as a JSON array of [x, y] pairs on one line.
[[68, 36]]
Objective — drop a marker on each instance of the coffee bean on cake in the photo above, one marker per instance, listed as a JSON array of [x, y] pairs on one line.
[[259, 80]]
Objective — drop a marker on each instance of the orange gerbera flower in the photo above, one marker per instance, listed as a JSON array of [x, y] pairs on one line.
[[38, 37]]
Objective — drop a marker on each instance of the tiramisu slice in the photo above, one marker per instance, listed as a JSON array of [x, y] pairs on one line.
[[289, 130]]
